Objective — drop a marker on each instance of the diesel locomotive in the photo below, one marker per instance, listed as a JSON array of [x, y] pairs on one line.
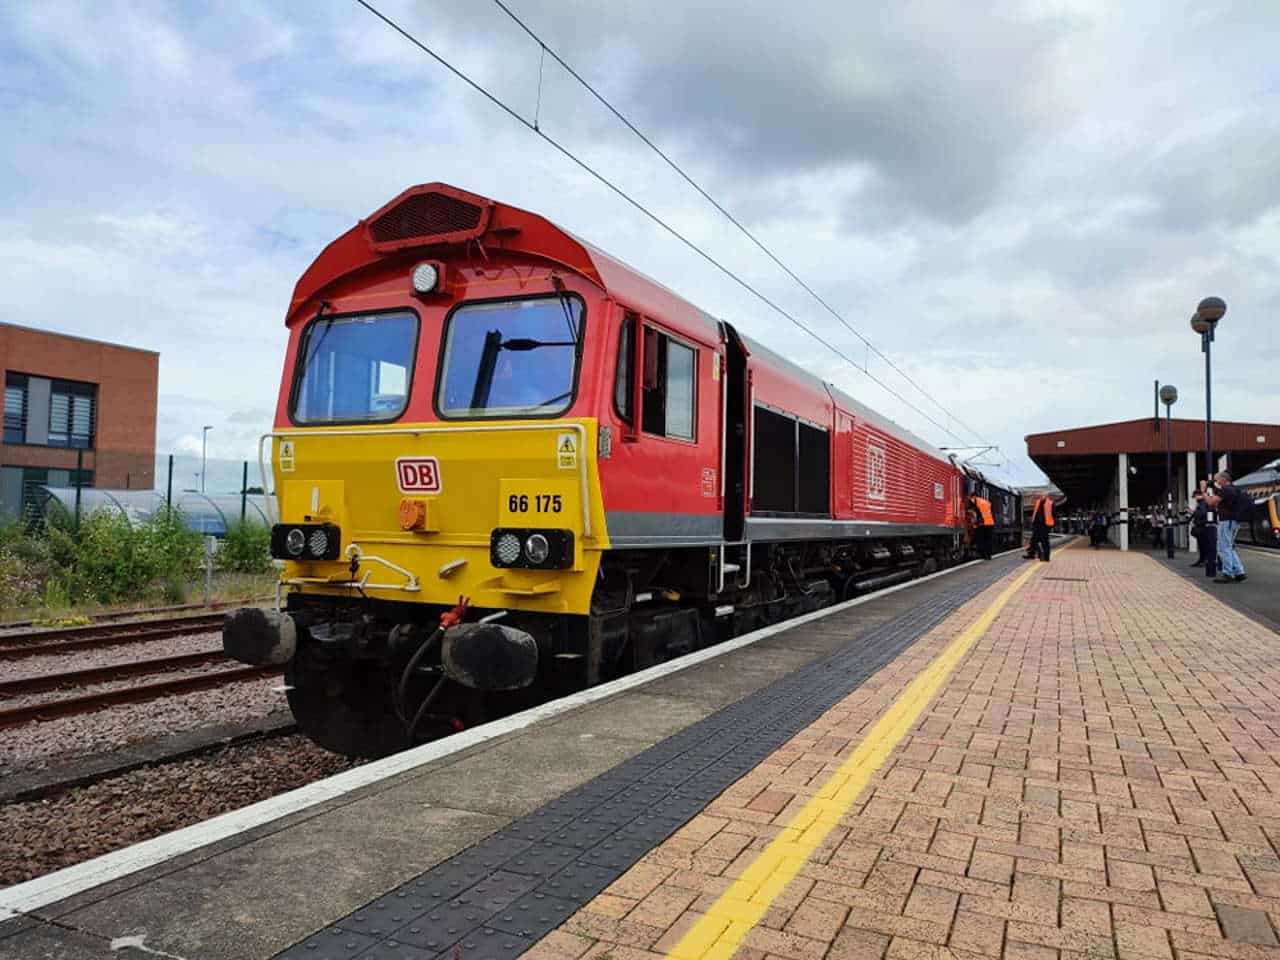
[[507, 466]]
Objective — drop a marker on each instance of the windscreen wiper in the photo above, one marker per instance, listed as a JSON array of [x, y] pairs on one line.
[[562, 295], [521, 344], [488, 366], [313, 352]]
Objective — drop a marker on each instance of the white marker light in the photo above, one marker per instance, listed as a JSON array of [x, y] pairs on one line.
[[536, 548], [425, 277]]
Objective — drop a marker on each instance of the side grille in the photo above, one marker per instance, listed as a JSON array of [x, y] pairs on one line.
[[425, 218]]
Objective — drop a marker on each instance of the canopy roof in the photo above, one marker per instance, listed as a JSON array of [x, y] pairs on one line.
[[1082, 461], [210, 514]]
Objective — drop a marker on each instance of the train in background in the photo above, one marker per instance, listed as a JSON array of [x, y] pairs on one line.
[[508, 466], [1263, 487]]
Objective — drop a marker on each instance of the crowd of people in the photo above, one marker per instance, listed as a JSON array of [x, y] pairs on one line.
[[1229, 505], [1216, 515], [1214, 521]]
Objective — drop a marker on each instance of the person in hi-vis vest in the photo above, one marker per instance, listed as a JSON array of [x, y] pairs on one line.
[[1041, 524], [984, 525]]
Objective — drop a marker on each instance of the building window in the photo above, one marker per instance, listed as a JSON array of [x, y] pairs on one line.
[[71, 414], [15, 408]]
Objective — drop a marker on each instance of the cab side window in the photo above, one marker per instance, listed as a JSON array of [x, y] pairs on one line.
[[669, 394]]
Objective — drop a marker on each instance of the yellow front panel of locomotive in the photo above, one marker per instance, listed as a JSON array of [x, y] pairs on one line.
[[466, 477]]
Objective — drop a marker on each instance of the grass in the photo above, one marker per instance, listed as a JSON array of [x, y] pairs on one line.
[[59, 611]]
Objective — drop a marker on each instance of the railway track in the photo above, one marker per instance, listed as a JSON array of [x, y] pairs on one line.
[[87, 702], [70, 640], [19, 646]]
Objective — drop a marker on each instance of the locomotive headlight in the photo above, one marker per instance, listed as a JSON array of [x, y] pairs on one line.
[[526, 549], [507, 549], [425, 277], [305, 541], [319, 543], [536, 549]]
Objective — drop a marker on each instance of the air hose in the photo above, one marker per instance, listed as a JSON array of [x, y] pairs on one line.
[[447, 619]]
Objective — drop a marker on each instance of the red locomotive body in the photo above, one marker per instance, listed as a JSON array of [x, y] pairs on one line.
[[475, 402]]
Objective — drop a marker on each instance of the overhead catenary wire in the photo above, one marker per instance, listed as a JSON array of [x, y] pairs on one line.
[[746, 231], [641, 208]]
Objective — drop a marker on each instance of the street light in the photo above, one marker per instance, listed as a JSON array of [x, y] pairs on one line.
[[1203, 322], [1168, 396], [204, 450]]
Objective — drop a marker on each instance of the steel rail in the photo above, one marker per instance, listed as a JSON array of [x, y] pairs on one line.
[[96, 636], [69, 706], [107, 674]]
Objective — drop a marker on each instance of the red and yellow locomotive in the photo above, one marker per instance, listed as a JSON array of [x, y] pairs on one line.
[[476, 404]]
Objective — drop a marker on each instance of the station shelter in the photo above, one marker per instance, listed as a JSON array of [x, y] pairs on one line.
[[1119, 468]]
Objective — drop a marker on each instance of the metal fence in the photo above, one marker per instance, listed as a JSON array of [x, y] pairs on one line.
[[211, 494]]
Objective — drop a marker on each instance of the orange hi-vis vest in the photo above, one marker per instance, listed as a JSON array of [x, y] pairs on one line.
[[1045, 504], [984, 510]]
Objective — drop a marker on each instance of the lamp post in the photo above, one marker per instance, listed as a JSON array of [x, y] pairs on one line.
[[1203, 322], [1168, 396], [204, 450]]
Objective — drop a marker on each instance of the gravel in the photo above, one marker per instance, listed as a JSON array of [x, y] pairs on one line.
[[110, 656], [39, 744], [40, 836]]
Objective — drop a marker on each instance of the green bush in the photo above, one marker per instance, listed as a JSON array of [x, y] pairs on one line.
[[106, 560], [109, 558], [18, 587], [245, 549]]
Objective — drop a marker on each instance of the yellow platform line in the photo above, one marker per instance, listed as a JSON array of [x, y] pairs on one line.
[[720, 931]]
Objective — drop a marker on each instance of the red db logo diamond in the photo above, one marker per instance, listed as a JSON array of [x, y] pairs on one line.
[[418, 474]]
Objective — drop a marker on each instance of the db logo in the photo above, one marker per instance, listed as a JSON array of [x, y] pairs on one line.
[[418, 474]]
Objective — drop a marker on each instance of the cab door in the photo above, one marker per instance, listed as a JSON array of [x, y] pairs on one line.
[[663, 485]]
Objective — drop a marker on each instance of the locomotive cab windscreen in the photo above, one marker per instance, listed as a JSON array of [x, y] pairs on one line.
[[355, 369], [511, 358]]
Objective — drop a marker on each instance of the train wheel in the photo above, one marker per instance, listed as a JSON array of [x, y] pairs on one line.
[[348, 712]]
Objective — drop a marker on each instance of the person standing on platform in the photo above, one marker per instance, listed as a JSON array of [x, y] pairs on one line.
[[1097, 530], [984, 525], [1232, 505], [1198, 518], [1041, 524]]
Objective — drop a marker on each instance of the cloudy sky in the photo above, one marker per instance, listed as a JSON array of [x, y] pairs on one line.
[[1021, 207]]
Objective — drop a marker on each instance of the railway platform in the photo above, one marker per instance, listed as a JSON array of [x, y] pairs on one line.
[[1013, 759]]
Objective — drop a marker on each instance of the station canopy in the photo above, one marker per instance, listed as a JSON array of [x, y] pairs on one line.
[[1082, 461], [210, 514]]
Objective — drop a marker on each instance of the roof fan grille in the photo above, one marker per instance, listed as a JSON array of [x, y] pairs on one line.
[[425, 215]]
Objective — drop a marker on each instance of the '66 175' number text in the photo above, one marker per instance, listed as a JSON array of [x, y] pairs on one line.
[[535, 503]]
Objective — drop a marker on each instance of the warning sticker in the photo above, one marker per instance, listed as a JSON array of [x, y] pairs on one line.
[[286, 456], [567, 451]]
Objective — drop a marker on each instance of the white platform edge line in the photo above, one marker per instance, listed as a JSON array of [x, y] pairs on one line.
[[69, 881]]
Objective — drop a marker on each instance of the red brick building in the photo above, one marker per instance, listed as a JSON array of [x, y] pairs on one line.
[[67, 399]]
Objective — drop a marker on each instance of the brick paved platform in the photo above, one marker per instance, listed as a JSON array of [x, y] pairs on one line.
[[1097, 778]]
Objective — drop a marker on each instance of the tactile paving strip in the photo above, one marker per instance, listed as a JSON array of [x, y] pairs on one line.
[[498, 898]]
